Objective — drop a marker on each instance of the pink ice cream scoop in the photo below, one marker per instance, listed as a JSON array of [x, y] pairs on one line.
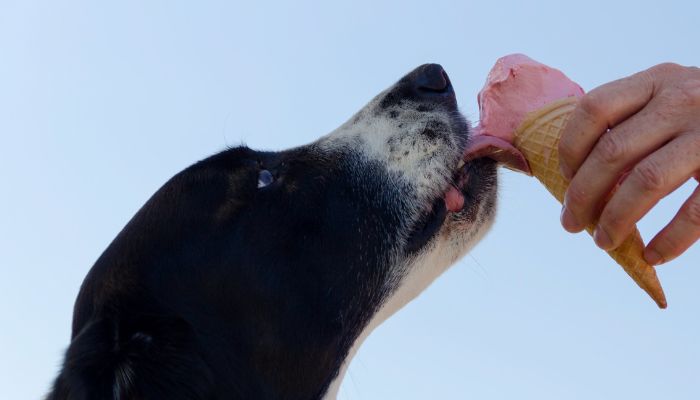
[[516, 86]]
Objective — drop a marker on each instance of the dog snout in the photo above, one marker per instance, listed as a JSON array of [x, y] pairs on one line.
[[427, 84], [431, 80]]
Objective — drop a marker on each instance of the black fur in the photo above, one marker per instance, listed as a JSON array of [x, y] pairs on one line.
[[218, 289], [202, 250]]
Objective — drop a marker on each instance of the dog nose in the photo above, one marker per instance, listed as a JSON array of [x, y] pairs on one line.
[[431, 79]]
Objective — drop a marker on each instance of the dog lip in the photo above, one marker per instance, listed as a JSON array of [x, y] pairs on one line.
[[427, 226]]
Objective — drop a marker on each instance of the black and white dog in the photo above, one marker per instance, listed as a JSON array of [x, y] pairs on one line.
[[257, 275]]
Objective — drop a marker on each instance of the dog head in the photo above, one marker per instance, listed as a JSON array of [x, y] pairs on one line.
[[280, 263]]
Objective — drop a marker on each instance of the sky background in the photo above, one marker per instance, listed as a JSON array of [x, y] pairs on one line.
[[102, 102]]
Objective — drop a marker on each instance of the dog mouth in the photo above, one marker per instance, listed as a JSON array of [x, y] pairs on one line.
[[473, 175], [453, 200]]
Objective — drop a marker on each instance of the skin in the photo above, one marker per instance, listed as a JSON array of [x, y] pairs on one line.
[[644, 130]]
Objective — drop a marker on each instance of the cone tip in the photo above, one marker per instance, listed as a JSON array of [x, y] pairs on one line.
[[661, 303]]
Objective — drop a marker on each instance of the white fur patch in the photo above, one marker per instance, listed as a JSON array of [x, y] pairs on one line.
[[449, 246], [425, 163]]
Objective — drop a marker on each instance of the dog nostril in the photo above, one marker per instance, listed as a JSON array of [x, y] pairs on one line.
[[432, 78]]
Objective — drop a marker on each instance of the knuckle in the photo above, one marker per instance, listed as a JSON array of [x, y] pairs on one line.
[[666, 68], [576, 198], [612, 222], [679, 86], [651, 176], [593, 104], [667, 245], [689, 92], [668, 111], [676, 100], [612, 148], [645, 78]]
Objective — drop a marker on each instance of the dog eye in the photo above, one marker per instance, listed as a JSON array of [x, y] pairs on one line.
[[265, 178]]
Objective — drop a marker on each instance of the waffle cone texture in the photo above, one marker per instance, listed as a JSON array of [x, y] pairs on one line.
[[538, 139]]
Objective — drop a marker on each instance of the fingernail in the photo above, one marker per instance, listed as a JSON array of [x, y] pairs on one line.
[[602, 239], [653, 257], [568, 221], [565, 171]]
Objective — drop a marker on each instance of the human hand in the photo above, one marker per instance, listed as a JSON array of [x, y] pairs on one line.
[[647, 126]]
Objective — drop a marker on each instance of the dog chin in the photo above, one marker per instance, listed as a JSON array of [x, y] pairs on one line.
[[460, 232]]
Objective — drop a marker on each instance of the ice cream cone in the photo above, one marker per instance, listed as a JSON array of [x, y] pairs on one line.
[[537, 138]]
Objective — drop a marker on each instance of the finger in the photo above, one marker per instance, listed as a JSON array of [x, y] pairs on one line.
[[653, 178], [678, 235], [616, 152], [602, 108]]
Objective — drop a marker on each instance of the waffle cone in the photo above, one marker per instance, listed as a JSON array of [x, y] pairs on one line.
[[538, 139]]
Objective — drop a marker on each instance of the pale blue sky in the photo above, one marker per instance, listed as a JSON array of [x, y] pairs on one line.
[[101, 102]]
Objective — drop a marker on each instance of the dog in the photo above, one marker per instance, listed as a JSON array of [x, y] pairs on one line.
[[257, 275]]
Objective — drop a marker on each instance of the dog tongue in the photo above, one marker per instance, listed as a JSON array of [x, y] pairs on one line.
[[454, 200], [482, 145], [515, 86]]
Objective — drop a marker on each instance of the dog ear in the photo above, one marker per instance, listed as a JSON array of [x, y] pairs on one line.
[[149, 358]]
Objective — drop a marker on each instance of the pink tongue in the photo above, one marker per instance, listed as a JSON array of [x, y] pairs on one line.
[[454, 201], [498, 149]]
